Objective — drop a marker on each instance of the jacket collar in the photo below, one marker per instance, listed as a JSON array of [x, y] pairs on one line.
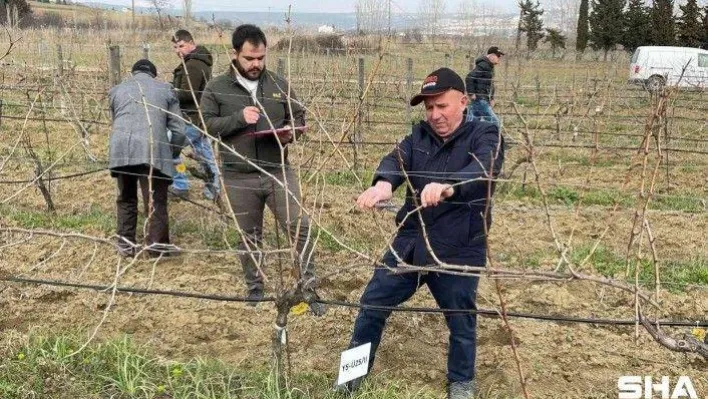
[[234, 80], [461, 130], [142, 75]]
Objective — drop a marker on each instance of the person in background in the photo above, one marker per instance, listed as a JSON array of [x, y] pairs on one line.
[[143, 109], [237, 106], [189, 80], [480, 87]]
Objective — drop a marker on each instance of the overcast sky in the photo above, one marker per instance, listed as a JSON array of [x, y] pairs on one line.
[[398, 6]]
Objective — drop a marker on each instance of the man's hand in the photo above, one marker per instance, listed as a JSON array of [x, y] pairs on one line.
[[251, 114], [285, 138], [434, 193], [382, 191], [491, 102]]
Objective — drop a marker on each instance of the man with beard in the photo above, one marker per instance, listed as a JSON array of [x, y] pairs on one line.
[[189, 79], [243, 106]]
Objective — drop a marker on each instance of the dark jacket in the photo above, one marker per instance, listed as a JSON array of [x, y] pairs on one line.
[[455, 227], [480, 81], [222, 105], [198, 64], [139, 131]]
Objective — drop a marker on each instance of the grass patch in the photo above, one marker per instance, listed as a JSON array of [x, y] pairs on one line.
[[347, 178], [213, 235], [583, 160], [119, 368], [604, 197], [93, 219], [676, 275]]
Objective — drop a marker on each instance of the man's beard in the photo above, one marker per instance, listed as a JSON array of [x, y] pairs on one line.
[[245, 73]]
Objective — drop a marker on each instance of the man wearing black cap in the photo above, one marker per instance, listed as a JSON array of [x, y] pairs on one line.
[[447, 165], [480, 86], [143, 109]]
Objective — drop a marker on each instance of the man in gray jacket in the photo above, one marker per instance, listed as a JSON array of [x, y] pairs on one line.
[[143, 109]]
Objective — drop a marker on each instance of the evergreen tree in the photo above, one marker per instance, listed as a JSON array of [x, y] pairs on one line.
[[531, 23], [606, 24], [663, 23], [556, 39], [12, 9], [637, 26], [689, 24], [581, 42], [705, 28]]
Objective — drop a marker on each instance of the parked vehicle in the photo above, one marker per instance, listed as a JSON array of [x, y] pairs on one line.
[[654, 67]]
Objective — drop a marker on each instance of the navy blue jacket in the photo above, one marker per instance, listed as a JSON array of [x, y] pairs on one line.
[[455, 227]]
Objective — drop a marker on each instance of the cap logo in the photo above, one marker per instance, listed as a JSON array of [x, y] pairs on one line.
[[430, 81]]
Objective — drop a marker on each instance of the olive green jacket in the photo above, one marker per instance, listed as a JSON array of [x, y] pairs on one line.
[[222, 106]]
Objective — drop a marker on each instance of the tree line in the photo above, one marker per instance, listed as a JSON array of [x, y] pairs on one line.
[[605, 24], [632, 24]]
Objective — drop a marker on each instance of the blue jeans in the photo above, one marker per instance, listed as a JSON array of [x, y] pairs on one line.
[[450, 292], [481, 110], [205, 156]]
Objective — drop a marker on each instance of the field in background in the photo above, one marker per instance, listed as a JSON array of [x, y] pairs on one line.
[[586, 125]]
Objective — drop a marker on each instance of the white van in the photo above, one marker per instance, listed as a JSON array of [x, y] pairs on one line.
[[656, 66]]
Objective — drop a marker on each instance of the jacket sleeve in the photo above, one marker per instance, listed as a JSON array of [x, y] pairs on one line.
[[218, 125], [487, 159], [112, 101], [298, 115], [471, 83], [481, 78], [392, 165], [175, 124], [194, 74]]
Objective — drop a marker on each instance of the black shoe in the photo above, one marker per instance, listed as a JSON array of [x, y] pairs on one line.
[[157, 250], [126, 250], [254, 297]]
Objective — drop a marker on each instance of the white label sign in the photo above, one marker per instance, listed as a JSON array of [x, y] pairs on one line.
[[354, 363]]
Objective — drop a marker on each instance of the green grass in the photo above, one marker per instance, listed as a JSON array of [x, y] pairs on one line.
[[604, 197], [120, 368], [676, 274], [94, 218]]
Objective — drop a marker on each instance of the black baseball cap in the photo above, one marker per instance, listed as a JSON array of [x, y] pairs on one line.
[[439, 82], [145, 66], [495, 50]]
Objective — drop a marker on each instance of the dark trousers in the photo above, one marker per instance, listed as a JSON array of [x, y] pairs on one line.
[[248, 194], [450, 292], [128, 179]]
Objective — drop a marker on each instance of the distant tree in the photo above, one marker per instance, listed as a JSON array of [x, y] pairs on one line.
[[431, 13], [15, 10], [556, 39], [160, 6], [531, 24], [690, 25], [606, 24], [637, 26], [663, 24], [371, 15], [705, 27], [581, 42]]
